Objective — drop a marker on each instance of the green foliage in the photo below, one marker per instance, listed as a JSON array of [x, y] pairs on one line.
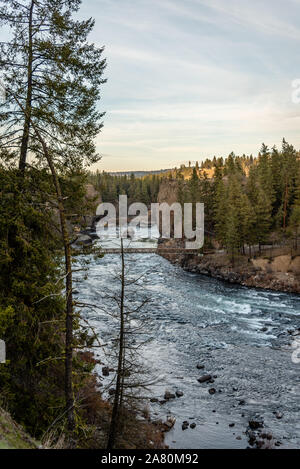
[[247, 198], [32, 308], [56, 74], [144, 189]]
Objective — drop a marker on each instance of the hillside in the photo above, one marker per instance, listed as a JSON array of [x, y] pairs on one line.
[[12, 436]]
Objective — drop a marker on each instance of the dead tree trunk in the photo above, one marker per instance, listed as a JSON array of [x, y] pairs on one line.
[[68, 269], [118, 393], [27, 112], [69, 291]]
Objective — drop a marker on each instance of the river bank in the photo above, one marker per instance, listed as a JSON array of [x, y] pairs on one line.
[[279, 273]]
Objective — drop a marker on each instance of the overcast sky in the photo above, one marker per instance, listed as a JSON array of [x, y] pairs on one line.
[[190, 79]]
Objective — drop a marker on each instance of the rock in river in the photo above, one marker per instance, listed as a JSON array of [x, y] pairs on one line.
[[200, 366], [204, 378], [169, 395], [185, 425], [255, 424], [83, 240]]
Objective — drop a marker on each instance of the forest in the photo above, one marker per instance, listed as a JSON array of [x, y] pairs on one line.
[[52, 80], [249, 201]]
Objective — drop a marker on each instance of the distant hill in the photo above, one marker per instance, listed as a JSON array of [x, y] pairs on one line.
[[138, 173]]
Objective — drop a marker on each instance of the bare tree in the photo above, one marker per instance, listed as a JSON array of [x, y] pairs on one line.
[[132, 376], [118, 393]]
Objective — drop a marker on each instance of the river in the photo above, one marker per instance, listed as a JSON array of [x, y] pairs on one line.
[[240, 335]]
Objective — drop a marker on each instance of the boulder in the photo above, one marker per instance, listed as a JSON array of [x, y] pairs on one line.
[[169, 395], [204, 378], [200, 366], [93, 235], [179, 393], [170, 422], [255, 424], [83, 240], [185, 425]]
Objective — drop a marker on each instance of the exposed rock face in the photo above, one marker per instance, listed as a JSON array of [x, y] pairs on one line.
[[92, 194], [167, 191], [281, 274], [83, 240]]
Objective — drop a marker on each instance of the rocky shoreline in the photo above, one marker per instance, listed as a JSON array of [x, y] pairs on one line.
[[281, 273]]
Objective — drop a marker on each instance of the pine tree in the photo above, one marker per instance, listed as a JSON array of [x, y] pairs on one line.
[[31, 304], [232, 236], [51, 112], [56, 74], [247, 222], [264, 172], [194, 188], [289, 172], [276, 168], [220, 210], [251, 186], [181, 192], [295, 215], [263, 212]]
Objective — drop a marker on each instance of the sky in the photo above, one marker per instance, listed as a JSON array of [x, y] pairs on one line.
[[190, 79]]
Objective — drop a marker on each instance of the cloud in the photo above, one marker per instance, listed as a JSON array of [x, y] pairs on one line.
[[263, 16], [133, 54], [191, 79]]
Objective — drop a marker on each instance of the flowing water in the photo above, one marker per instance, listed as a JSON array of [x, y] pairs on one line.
[[241, 335]]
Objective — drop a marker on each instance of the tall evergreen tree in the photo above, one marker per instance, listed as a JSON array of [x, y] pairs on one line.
[[263, 212], [264, 172], [295, 213], [289, 173], [56, 74]]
